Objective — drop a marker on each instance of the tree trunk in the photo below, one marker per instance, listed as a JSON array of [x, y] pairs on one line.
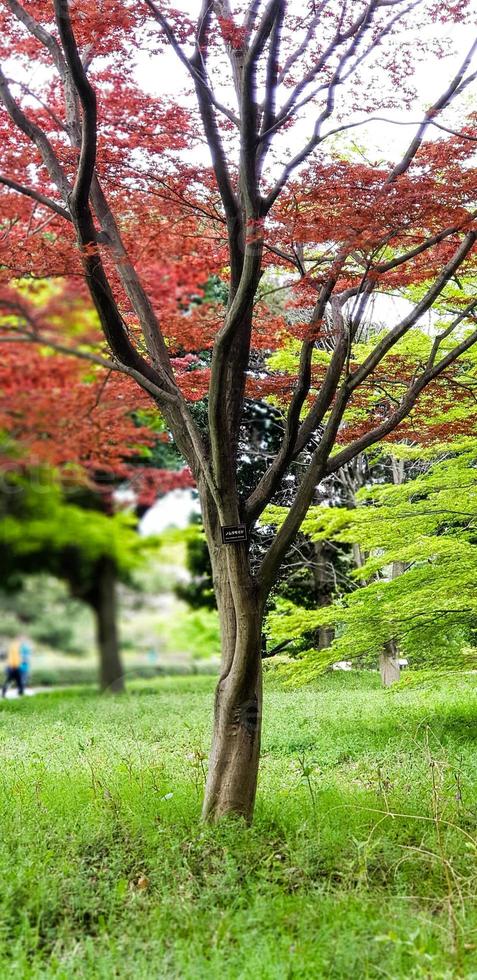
[[234, 758], [389, 664], [324, 588], [103, 601], [389, 657]]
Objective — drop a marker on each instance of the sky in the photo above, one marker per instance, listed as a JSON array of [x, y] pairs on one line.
[[175, 509], [168, 77]]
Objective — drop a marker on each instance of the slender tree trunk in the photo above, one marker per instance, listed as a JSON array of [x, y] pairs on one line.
[[389, 657], [234, 758], [389, 668], [389, 664], [324, 586], [104, 605]]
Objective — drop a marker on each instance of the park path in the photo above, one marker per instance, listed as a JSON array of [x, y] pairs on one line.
[[12, 693]]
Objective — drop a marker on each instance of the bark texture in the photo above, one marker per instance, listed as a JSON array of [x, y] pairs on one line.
[[389, 664], [234, 757], [233, 765]]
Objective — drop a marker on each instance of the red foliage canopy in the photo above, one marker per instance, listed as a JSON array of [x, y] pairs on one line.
[[334, 224]]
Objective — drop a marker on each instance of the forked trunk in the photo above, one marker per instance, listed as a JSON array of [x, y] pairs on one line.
[[389, 664], [111, 673], [234, 758]]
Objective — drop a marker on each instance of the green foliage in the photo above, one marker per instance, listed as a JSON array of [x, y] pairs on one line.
[[361, 861], [216, 291], [427, 525], [194, 632], [41, 528], [163, 454], [287, 358], [413, 348], [198, 590]]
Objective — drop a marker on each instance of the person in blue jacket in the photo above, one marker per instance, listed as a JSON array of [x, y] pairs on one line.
[[25, 655]]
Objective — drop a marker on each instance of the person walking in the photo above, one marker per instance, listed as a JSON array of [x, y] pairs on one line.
[[25, 655], [14, 672]]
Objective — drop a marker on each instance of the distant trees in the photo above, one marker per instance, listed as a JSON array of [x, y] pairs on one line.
[[70, 435], [41, 606], [428, 527], [87, 549]]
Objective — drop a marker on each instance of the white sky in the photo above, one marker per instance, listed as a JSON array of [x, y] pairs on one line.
[[175, 509], [165, 75]]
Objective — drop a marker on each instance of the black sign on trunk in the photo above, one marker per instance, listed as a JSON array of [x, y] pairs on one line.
[[234, 533]]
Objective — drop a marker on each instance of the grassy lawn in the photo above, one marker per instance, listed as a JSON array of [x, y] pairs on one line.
[[361, 861]]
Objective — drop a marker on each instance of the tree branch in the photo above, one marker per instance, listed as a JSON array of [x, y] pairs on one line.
[[319, 466], [35, 196], [392, 337], [456, 86], [268, 117], [355, 32], [296, 436], [37, 137], [391, 423], [188, 63], [87, 161]]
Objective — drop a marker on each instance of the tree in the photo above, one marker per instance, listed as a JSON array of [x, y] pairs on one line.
[[70, 420], [426, 526], [85, 548], [101, 165], [92, 426]]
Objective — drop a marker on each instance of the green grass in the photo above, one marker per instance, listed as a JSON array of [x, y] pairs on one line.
[[100, 796]]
